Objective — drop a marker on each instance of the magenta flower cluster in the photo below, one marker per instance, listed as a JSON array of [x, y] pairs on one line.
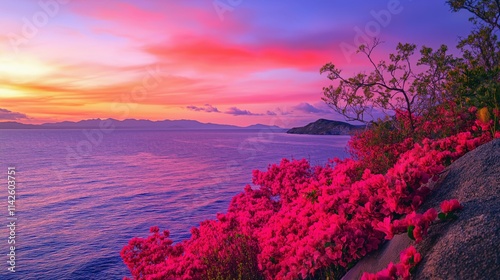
[[303, 219], [416, 225]]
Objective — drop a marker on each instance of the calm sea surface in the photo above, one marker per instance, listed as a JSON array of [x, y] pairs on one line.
[[80, 198]]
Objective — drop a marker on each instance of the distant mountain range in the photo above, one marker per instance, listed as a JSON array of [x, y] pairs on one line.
[[134, 124], [326, 127]]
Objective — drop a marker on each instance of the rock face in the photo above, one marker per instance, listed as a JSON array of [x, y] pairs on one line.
[[466, 248], [326, 127]]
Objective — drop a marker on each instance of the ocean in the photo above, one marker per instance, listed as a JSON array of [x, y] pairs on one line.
[[81, 196]]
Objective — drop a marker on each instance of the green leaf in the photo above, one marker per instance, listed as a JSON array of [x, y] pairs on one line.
[[447, 161], [452, 216], [442, 216], [410, 232]]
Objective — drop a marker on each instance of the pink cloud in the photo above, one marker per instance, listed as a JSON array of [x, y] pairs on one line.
[[211, 55], [120, 13]]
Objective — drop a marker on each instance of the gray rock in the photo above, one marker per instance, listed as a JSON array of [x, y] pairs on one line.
[[467, 248]]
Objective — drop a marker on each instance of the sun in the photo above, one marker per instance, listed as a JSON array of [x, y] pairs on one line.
[[23, 70], [6, 92]]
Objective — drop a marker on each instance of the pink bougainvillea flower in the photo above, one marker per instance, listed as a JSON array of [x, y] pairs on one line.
[[389, 273], [386, 227], [410, 256], [449, 206], [430, 215]]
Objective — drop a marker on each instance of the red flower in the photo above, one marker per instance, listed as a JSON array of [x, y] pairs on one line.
[[449, 206], [410, 256], [386, 227], [430, 215]]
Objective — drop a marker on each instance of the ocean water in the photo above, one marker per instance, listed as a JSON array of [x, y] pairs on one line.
[[81, 197]]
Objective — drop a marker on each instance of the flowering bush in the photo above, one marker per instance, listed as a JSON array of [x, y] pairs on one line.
[[416, 225], [379, 147], [304, 221], [409, 258]]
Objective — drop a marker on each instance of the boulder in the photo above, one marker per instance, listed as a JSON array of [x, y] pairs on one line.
[[466, 248]]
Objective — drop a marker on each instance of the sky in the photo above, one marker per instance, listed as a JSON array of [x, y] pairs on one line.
[[235, 62]]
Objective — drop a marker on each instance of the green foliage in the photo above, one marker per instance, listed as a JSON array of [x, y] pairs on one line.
[[485, 11], [240, 268], [442, 216], [476, 79], [447, 216], [312, 196], [380, 146], [410, 232]]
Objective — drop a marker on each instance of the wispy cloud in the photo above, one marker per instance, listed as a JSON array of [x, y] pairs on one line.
[[206, 108], [11, 116]]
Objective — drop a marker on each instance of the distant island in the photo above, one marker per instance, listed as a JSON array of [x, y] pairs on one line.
[[133, 124], [327, 127]]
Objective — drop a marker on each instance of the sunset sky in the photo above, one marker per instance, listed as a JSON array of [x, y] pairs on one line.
[[226, 61]]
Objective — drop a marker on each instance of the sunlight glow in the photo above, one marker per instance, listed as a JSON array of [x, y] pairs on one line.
[[23, 69], [11, 93]]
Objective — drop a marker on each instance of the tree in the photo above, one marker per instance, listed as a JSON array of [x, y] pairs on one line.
[[476, 80], [488, 11], [435, 79], [391, 86]]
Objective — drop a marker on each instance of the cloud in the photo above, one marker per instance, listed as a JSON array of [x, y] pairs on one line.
[[206, 53], [206, 108], [238, 112], [271, 113], [9, 115], [310, 109]]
